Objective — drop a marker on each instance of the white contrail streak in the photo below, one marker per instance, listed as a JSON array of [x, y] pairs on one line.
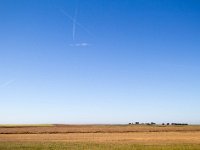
[[7, 83], [76, 22], [74, 29], [80, 45]]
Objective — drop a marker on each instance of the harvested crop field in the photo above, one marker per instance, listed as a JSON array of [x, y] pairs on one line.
[[185, 137], [50, 129], [138, 138]]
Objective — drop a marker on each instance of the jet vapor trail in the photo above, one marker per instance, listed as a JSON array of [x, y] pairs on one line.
[[75, 23], [7, 83]]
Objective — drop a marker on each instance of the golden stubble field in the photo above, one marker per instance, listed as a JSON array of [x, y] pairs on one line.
[[138, 134]]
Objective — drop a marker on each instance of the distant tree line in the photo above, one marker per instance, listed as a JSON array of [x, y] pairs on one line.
[[179, 124], [153, 123]]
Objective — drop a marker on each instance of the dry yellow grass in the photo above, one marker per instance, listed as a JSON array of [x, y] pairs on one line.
[[104, 134], [94, 129], [139, 138]]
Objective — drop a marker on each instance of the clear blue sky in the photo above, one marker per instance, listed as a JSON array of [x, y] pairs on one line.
[[117, 61]]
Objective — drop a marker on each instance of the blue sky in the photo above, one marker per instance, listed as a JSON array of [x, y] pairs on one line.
[[113, 62]]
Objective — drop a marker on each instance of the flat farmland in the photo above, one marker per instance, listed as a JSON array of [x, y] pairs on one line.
[[100, 137], [50, 129]]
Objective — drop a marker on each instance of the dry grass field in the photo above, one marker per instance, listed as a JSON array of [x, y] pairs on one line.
[[100, 137], [42, 129]]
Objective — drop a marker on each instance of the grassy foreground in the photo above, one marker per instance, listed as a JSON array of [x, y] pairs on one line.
[[92, 146], [99, 137]]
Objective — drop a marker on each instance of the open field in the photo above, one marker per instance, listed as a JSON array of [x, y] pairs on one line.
[[49, 129], [93, 146], [100, 137]]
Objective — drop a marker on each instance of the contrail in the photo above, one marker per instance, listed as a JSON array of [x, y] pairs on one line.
[[7, 83], [75, 23], [80, 45]]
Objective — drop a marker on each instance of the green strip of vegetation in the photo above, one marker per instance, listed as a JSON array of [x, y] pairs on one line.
[[92, 146]]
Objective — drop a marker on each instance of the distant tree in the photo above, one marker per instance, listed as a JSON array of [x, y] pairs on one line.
[[137, 123]]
